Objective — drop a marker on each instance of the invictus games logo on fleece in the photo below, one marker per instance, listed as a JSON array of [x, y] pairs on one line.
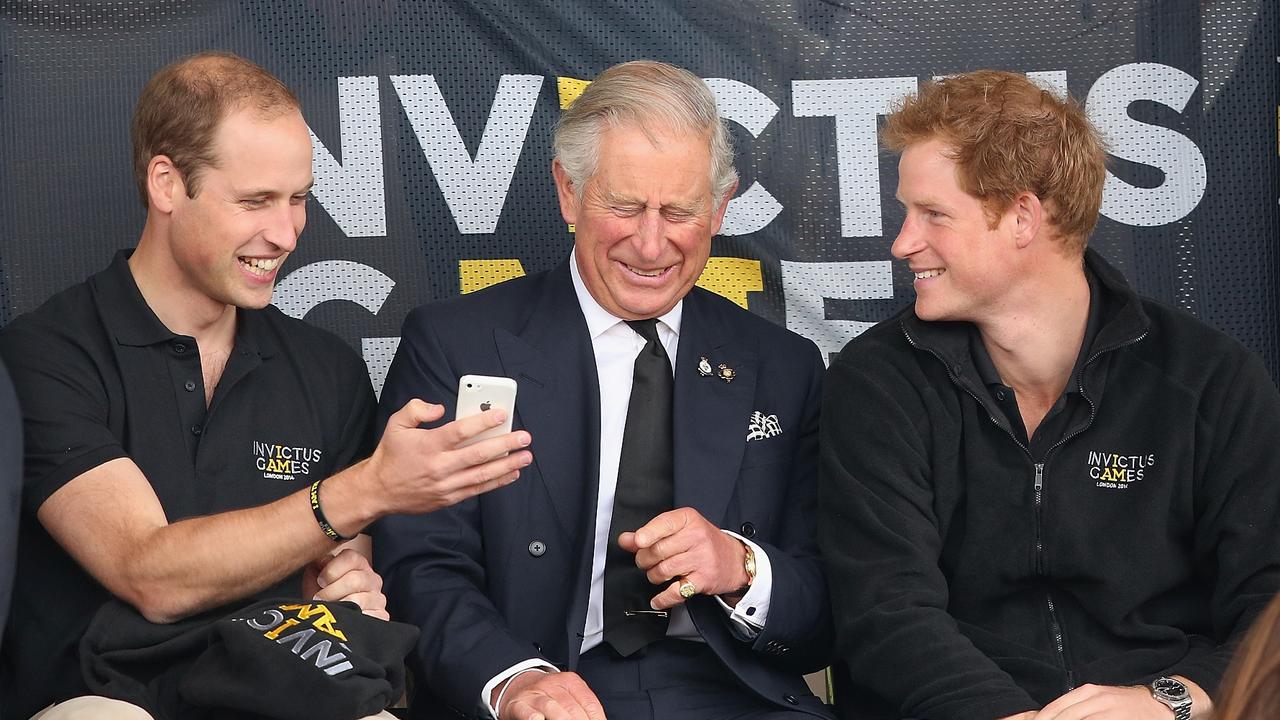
[[284, 462], [1116, 471]]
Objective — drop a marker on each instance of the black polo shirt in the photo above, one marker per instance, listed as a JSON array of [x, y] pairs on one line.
[[1068, 411], [100, 377]]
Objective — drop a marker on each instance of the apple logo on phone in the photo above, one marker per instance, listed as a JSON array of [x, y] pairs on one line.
[[484, 406]]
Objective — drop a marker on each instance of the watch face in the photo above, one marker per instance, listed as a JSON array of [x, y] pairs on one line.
[[1169, 689]]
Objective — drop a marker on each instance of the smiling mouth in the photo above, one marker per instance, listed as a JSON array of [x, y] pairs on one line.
[[932, 273], [654, 273], [261, 267]]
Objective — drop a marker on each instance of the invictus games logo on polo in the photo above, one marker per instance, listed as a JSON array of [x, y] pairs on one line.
[[298, 625], [284, 462], [1116, 471]]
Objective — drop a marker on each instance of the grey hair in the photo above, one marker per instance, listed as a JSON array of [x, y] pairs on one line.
[[650, 96]]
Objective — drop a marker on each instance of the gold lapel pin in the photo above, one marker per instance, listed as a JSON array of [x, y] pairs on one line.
[[727, 373]]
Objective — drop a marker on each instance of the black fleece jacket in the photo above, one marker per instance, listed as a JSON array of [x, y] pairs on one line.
[[970, 581]]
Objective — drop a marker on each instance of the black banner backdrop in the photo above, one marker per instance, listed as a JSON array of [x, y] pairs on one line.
[[433, 119]]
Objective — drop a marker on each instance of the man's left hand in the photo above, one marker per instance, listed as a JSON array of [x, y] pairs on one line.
[[683, 545], [346, 576], [1106, 702]]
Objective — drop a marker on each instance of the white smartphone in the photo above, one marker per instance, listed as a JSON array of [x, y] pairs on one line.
[[477, 393]]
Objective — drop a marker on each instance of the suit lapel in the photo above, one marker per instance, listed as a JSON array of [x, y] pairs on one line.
[[558, 400], [710, 421]]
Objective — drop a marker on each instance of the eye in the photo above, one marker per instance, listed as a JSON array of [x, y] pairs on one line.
[[299, 199], [254, 202], [625, 210]]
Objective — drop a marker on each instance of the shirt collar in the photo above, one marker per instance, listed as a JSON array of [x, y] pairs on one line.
[[133, 323], [987, 369], [124, 310], [600, 320]]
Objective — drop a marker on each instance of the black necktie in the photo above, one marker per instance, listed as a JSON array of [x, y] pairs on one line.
[[644, 491]]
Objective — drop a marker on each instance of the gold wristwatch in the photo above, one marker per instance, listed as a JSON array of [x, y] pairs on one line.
[[749, 564]]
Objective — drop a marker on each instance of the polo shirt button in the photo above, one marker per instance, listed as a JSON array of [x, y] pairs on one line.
[[748, 530], [791, 699], [179, 348], [189, 386], [537, 548], [196, 429], [1000, 395]]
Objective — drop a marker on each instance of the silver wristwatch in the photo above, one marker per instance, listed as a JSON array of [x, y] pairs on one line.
[[1173, 695]]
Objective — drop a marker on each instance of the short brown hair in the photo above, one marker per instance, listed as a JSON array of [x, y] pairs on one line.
[[1251, 688], [181, 106], [1008, 135]]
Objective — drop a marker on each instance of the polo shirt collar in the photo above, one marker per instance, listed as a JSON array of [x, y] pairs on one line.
[[124, 311], [987, 370], [253, 336], [132, 322], [600, 320]]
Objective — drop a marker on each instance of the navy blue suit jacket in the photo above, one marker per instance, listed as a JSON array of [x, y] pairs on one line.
[[504, 577]]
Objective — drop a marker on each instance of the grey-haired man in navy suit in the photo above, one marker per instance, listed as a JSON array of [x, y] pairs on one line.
[[657, 559]]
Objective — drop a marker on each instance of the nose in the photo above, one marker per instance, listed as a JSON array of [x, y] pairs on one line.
[[650, 235], [286, 225], [908, 241]]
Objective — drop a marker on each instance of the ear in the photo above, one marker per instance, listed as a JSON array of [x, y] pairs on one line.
[[1028, 214], [718, 218], [565, 193], [164, 182]]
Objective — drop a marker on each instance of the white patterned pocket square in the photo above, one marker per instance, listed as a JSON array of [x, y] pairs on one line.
[[761, 426]]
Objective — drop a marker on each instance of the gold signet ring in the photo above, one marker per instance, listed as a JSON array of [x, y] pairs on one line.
[[687, 589]]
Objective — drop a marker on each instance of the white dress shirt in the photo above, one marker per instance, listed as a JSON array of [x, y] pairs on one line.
[[616, 347]]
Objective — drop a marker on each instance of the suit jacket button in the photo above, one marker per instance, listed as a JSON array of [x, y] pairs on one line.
[[748, 530], [791, 699], [537, 548]]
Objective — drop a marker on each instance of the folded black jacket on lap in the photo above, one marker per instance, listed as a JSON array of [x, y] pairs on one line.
[[278, 659]]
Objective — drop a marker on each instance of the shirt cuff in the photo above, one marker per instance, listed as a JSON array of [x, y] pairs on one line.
[[748, 618], [532, 664]]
